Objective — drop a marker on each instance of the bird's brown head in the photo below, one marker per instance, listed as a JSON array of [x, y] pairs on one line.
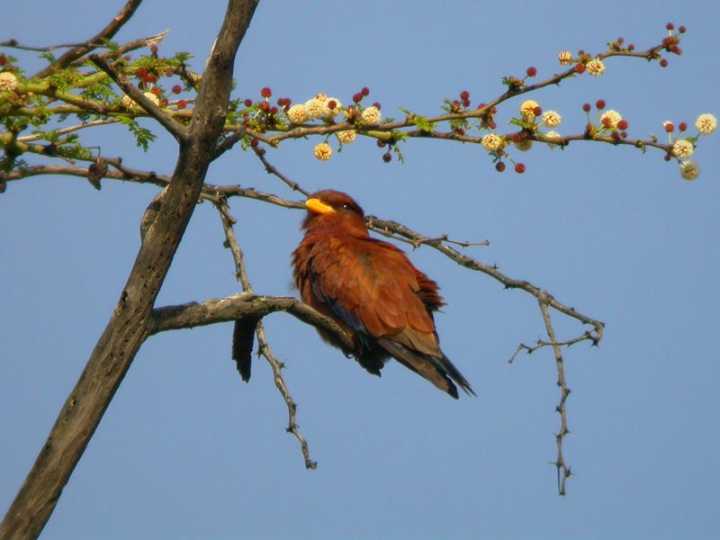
[[329, 208]]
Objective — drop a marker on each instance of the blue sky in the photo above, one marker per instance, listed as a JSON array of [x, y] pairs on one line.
[[186, 450]]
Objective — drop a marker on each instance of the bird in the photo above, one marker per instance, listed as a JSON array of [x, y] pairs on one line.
[[372, 290]]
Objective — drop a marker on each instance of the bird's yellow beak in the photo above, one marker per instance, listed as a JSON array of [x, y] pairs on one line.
[[319, 207]]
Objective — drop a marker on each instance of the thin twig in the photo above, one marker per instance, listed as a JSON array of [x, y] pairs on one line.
[[104, 35], [264, 348], [563, 470], [271, 169], [540, 344]]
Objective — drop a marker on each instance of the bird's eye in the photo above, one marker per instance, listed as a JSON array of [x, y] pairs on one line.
[[345, 206]]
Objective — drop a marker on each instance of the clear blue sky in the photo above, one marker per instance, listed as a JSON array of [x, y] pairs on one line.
[[187, 451]]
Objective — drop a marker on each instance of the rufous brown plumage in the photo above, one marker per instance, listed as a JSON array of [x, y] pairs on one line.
[[372, 289]]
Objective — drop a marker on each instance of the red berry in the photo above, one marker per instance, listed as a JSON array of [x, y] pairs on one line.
[[387, 157], [254, 143], [273, 110], [157, 91], [682, 126], [380, 143], [464, 95], [141, 73], [631, 47], [682, 29], [607, 122], [248, 102], [150, 78], [266, 92], [580, 68], [664, 63], [357, 98], [669, 127], [176, 89], [264, 106], [181, 104], [669, 26], [586, 107], [500, 166], [537, 111], [600, 104], [677, 50], [519, 168], [623, 124], [365, 91], [377, 105], [531, 71], [332, 104]]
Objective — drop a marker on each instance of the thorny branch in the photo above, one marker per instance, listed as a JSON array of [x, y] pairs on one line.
[[264, 348], [563, 471]]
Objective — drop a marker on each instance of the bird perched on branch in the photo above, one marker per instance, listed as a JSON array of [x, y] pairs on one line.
[[372, 289]]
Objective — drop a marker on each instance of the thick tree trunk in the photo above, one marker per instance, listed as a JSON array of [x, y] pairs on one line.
[[131, 321]]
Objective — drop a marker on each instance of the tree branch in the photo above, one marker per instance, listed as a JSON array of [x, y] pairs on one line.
[[264, 348], [105, 34], [131, 319]]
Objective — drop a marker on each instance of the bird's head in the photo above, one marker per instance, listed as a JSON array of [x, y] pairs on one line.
[[329, 208]]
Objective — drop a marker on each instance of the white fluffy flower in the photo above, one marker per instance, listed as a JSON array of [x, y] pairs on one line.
[[527, 108], [551, 119], [8, 81], [371, 115], [127, 102], [346, 136], [683, 149], [322, 151], [492, 142], [610, 119], [706, 123], [565, 58], [315, 107], [152, 97], [689, 170], [296, 114], [595, 67]]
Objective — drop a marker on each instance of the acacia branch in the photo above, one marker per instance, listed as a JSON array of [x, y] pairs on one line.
[[179, 131], [105, 34], [264, 348], [563, 471], [131, 320]]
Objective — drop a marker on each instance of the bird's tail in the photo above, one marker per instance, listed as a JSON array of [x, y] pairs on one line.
[[439, 370]]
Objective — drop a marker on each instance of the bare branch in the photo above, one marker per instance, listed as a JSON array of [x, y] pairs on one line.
[[563, 471], [264, 348], [105, 34]]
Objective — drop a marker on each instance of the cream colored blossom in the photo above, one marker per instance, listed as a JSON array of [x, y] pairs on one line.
[[683, 149], [152, 97], [322, 151], [296, 114], [706, 123], [610, 119], [127, 102], [492, 142], [528, 109], [8, 81], [315, 107], [524, 145], [689, 170], [595, 67], [334, 110], [346, 136], [551, 119], [553, 135], [371, 115], [565, 58]]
